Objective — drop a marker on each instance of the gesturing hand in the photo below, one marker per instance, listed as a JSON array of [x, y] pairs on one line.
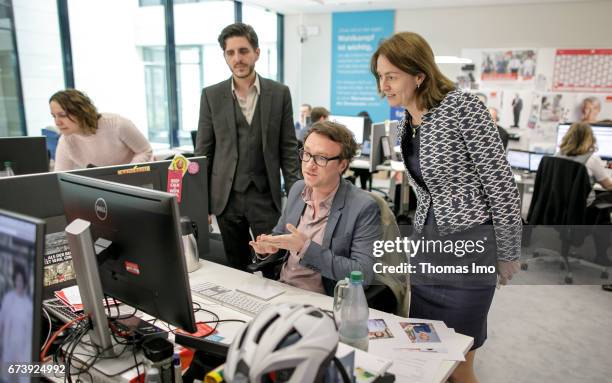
[[262, 247], [292, 242]]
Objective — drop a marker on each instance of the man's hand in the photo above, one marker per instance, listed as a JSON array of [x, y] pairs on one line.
[[506, 269], [292, 242], [210, 219], [261, 247]]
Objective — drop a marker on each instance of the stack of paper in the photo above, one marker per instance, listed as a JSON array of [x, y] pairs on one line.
[[72, 298], [416, 346]]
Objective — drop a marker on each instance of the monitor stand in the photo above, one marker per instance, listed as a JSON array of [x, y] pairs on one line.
[[115, 359], [88, 280]]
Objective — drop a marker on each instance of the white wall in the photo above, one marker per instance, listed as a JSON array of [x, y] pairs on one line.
[[449, 30]]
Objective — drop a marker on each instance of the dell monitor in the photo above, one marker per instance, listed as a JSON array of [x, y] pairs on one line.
[[354, 124], [141, 261], [21, 248], [603, 136], [518, 159], [27, 155], [534, 161]]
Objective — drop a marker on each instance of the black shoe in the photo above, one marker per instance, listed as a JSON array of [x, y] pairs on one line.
[[606, 287]]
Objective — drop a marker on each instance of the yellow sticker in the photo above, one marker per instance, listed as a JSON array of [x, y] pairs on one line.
[[179, 162], [135, 169]]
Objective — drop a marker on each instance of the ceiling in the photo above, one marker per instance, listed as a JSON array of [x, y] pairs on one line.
[[325, 6]]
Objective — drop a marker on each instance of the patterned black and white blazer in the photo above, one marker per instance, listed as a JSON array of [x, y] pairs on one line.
[[466, 172]]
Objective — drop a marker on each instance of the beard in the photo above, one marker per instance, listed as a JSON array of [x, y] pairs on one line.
[[250, 71]]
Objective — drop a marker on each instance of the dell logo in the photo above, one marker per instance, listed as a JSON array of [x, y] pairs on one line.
[[101, 209]]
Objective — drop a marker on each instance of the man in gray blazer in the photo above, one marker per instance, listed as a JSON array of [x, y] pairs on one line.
[[328, 226], [246, 130]]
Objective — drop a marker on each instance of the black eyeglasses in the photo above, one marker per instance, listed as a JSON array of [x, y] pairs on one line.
[[319, 160]]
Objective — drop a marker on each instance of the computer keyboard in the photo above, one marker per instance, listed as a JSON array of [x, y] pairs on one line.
[[60, 310], [230, 298]]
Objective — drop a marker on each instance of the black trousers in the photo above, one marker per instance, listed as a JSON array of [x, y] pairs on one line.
[[252, 210]]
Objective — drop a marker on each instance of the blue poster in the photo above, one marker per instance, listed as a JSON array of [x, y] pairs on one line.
[[355, 37]]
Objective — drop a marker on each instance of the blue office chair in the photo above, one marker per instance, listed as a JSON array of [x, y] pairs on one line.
[[52, 138]]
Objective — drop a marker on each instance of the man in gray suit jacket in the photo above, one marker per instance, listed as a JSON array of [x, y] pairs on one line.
[[246, 130], [328, 226]]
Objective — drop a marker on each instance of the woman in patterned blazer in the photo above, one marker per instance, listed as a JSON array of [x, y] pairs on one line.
[[465, 190]]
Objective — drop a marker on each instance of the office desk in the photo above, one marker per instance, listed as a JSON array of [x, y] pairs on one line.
[[231, 278]]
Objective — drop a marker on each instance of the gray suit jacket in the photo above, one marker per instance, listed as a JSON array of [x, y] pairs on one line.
[[352, 227], [217, 139]]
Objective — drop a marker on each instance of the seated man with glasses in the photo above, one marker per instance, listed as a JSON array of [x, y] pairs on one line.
[[328, 226]]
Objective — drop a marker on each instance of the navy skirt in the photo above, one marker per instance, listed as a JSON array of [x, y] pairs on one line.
[[463, 309]]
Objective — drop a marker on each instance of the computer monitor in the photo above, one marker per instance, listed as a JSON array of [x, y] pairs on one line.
[[534, 161], [603, 136], [27, 154], [518, 159], [21, 248], [144, 265], [354, 124]]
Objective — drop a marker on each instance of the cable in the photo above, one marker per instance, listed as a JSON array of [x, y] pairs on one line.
[[342, 370], [43, 354], [49, 332]]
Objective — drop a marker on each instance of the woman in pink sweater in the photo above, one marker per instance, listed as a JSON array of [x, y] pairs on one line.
[[93, 139]]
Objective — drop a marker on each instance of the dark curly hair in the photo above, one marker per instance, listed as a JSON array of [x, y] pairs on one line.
[[239, 30], [79, 108]]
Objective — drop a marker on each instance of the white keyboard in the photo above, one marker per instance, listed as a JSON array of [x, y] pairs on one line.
[[230, 298]]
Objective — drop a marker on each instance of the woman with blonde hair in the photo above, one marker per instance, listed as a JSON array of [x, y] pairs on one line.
[[579, 144], [92, 139], [456, 164]]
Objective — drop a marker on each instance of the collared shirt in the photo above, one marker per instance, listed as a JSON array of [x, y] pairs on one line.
[[313, 226], [248, 103]]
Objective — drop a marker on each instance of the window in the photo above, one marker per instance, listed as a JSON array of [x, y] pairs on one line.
[[154, 60], [190, 82], [265, 24], [10, 104], [199, 59], [119, 61]]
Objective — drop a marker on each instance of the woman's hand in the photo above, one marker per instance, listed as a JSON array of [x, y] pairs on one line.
[[506, 269]]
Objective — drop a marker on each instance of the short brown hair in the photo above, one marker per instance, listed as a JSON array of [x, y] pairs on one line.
[[578, 140], [79, 108], [317, 112], [337, 133], [410, 53], [239, 30]]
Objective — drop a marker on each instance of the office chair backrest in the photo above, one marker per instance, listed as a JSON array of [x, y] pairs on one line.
[[399, 284], [560, 193]]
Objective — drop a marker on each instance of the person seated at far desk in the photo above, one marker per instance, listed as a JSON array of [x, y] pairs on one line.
[[93, 139], [579, 144], [328, 225], [319, 114]]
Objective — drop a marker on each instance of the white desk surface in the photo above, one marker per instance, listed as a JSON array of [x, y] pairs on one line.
[[232, 278]]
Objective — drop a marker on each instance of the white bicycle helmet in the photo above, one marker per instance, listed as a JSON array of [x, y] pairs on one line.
[[288, 342]]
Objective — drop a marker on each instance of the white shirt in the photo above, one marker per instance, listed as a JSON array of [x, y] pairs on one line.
[[248, 103]]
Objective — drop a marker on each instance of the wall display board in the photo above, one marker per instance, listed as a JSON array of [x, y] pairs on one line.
[[587, 70], [355, 37], [508, 65]]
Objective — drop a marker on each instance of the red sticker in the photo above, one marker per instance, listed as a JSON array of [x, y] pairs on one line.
[[175, 183], [193, 168], [132, 268]]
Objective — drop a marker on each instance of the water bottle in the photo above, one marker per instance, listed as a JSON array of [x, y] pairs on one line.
[[8, 170], [354, 314]]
